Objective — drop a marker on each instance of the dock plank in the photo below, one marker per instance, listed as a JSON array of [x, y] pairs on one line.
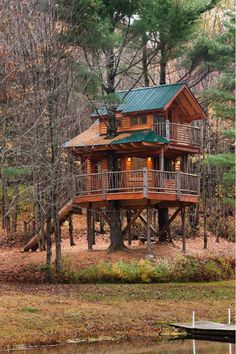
[[205, 325]]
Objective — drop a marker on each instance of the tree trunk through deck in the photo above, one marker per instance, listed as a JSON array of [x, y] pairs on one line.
[[163, 217], [116, 234]]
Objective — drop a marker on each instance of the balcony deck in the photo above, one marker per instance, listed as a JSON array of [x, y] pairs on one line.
[[183, 134], [138, 186]]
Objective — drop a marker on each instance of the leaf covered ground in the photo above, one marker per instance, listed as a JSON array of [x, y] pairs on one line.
[[43, 314]]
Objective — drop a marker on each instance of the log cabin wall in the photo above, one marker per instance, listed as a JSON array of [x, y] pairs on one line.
[[125, 123], [104, 165], [102, 127]]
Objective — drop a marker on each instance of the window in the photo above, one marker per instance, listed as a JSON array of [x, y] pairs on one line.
[[158, 118], [143, 120], [139, 120], [134, 120]]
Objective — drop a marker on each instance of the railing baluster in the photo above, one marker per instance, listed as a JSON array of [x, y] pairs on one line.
[[145, 182]]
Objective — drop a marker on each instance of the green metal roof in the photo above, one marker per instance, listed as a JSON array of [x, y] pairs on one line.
[[143, 99], [147, 136]]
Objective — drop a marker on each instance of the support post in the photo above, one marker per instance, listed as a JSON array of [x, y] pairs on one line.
[[70, 221], [150, 255], [128, 217], [167, 129], [193, 319], [102, 224], [162, 159], [229, 316], [183, 230], [93, 227], [89, 227], [103, 185]]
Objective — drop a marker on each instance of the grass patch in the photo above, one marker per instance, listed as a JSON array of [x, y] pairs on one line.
[[182, 269], [82, 311], [29, 310]]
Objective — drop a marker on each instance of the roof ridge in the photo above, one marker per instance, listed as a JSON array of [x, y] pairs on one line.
[[152, 87]]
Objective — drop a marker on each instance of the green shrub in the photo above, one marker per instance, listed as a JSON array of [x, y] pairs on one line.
[[181, 269]]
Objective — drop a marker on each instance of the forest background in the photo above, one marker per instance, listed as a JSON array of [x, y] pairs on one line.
[[60, 60]]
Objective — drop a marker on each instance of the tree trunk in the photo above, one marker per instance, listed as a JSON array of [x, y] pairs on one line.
[[193, 217], [116, 235], [70, 221], [117, 239], [57, 232], [163, 217], [15, 207], [163, 65], [145, 62], [5, 202], [49, 245]]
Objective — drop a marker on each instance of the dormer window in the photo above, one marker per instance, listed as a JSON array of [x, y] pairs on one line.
[[158, 119], [139, 120]]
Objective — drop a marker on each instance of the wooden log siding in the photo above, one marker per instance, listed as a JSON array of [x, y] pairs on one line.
[[142, 181], [102, 127]]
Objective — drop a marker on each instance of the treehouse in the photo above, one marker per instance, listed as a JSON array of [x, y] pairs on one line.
[[156, 136], [147, 163]]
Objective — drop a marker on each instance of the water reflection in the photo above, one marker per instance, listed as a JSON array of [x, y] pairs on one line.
[[171, 347]]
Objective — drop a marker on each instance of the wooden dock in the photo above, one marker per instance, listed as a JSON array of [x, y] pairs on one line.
[[207, 329]]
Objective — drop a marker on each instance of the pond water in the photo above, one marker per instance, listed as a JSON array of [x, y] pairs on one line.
[[186, 346]]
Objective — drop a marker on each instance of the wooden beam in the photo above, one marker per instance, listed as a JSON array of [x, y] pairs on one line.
[[183, 229], [154, 145], [128, 217], [162, 160], [136, 146], [105, 217], [142, 218], [89, 228], [171, 219], [136, 215], [149, 242]]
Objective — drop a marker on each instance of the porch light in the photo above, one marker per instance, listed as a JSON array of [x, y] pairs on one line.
[[149, 159], [129, 159]]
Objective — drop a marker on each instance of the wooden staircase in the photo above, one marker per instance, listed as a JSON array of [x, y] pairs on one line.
[[66, 208]]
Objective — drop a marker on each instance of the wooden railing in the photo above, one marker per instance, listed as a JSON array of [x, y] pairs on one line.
[[136, 181], [179, 133]]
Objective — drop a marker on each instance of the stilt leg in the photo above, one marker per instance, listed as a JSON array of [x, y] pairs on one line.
[[149, 216], [183, 229], [128, 216], [89, 227], [93, 226]]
